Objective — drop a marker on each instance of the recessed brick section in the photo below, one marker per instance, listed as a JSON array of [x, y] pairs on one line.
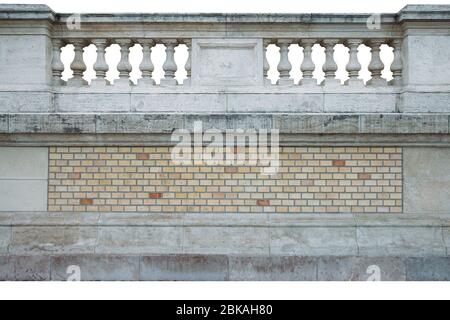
[[86, 202], [364, 176], [231, 170], [142, 156], [263, 203], [338, 163], [310, 180]]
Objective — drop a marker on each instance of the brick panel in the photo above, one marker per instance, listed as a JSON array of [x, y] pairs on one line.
[[310, 180]]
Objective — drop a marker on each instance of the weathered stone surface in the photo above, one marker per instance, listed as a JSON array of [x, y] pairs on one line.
[[428, 269], [184, 268], [361, 269], [25, 102], [139, 240], [314, 241], [273, 269], [404, 124], [97, 267], [32, 268], [24, 268], [23, 163], [3, 123], [197, 103], [89, 102], [276, 103], [288, 123], [426, 180], [226, 240], [138, 123], [225, 122], [23, 195], [5, 239], [53, 240], [436, 102], [51, 123], [447, 239], [362, 103], [224, 61], [404, 241]]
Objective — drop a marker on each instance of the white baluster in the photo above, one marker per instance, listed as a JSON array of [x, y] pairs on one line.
[[330, 67], [124, 67], [376, 66], [188, 65], [57, 65], [353, 66], [100, 66], [78, 66], [284, 67], [146, 65], [266, 66], [169, 67], [397, 64], [307, 67]]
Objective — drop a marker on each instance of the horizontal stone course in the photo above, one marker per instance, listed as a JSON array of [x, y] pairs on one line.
[[286, 123], [221, 268]]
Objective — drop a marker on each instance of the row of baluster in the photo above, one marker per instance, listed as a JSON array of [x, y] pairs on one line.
[[124, 67], [284, 67], [330, 66]]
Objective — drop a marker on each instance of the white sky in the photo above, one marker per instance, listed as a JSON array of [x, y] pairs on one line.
[[282, 6]]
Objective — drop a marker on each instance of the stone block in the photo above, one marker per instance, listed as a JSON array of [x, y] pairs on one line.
[[436, 102], [4, 123], [361, 269], [6, 269], [138, 123], [90, 102], [24, 268], [33, 240], [96, 267], [139, 240], [312, 124], [167, 102], [428, 269], [51, 123], [226, 240], [5, 239], [404, 124], [184, 268], [313, 241], [23, 195], [426, 180], [273, 269], [360, 103], [276, 103], [23, 163], [391, 241], [25, 102]]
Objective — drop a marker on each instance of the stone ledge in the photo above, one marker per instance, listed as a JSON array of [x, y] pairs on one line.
[[11, 219], [222, 268], [158, 123]]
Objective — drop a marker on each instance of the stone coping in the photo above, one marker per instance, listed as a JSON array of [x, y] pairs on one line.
[[43, 12], [130, 219]]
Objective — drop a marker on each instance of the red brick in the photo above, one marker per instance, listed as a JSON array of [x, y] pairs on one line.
[[231, 170], [75, 176], [142, 156], [263, 203], [155, 195], [338, 163], [86, 202], [364, 176]]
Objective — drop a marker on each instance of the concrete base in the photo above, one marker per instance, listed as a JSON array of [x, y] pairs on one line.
[[221, 268]]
